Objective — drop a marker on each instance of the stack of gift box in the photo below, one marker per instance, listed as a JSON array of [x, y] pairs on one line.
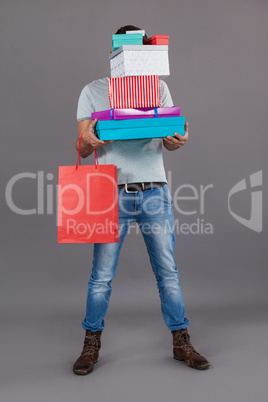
[[137, 64]]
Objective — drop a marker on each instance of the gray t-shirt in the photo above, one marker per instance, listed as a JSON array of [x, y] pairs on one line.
[[136, 160]]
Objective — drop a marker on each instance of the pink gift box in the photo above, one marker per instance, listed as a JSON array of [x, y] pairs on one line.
[[121, 114]]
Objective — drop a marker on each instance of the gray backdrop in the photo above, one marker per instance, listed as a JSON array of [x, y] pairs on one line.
[[218, 60]]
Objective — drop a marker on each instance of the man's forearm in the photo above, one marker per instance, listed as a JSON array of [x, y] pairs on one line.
[[86, 149], [89, 140]]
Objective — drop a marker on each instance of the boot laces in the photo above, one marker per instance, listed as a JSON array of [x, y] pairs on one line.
[[184, 340], [90, 345]]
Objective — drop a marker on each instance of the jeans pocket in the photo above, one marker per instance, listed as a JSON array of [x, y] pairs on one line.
[[166, 194]]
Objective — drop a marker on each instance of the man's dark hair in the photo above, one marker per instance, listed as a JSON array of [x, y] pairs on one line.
[[126, 28]]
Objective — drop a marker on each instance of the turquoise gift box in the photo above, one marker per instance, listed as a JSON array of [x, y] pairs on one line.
[[127, 39], [130, 129]]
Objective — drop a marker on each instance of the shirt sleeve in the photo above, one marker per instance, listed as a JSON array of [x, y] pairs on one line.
[[84, 107], [166, 100]]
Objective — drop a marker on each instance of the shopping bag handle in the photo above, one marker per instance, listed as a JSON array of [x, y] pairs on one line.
[[78, 160], [96, 161]]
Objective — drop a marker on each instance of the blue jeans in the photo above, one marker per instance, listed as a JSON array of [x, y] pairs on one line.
[[153, 211]]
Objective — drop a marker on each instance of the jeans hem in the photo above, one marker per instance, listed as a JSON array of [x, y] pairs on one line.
[[86, 328], [181, 326]]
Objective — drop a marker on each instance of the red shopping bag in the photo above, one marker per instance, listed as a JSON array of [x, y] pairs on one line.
[[88, 203]]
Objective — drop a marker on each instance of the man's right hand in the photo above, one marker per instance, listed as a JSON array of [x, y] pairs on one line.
[[89, 140], [90, 137]]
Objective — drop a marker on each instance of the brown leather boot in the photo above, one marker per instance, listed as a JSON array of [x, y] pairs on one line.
[[183, 350], [90, 353]]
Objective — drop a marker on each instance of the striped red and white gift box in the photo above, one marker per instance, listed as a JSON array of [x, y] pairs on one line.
[[134, 92]]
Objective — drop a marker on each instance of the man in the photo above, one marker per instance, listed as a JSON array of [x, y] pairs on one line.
[[143, 196]]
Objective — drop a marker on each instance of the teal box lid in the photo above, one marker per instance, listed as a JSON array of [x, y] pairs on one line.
[[127, 39], [140, 128]]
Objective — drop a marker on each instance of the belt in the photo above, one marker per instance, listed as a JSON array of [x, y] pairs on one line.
[[135, 187]]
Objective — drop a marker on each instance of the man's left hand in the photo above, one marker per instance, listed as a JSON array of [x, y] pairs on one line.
[[172, 143]]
